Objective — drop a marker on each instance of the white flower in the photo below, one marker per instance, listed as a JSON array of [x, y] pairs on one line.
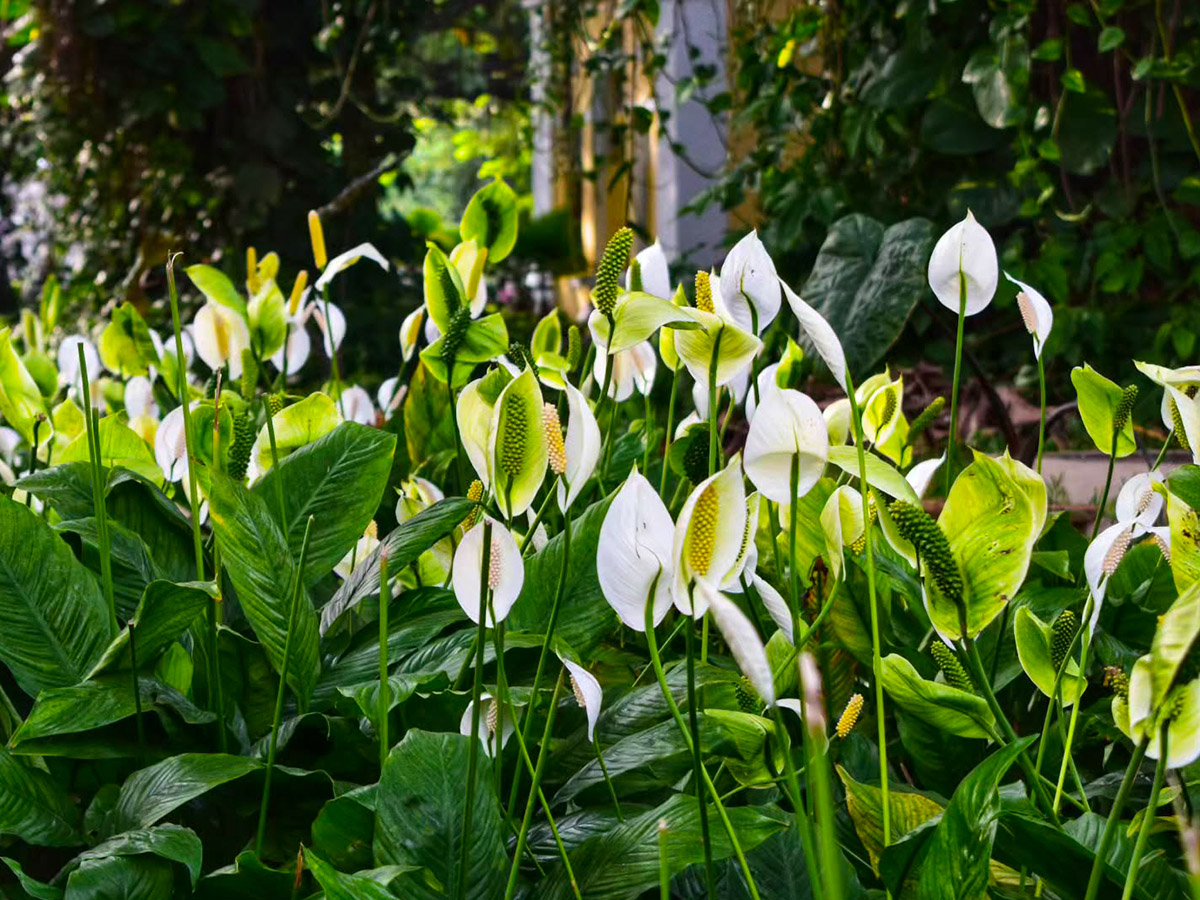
[[582, 445], [343, 261], [139, 398], [632, 368], [492, 718], [1036, 314], [68, 360], [965, 253], [708, 536], [410, 330], [170, 446], [743, 641], [220, 335], [364, 547], [920, 475], [656, 274], [505, 576], [789, 425], [634, 549], [338, 325], [587, 693], [821, 334], [749, 282], [356, 406]]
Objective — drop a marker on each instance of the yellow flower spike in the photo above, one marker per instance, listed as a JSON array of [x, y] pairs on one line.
[[252, 281], [704, 297], [297, 294], [704, 529], [316, 236], [556, 451], [850, 716]]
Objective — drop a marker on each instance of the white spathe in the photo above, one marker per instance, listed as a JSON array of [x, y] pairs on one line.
[[506, 572], [634, 553], [788, 429], [748, 279], [964, 254]]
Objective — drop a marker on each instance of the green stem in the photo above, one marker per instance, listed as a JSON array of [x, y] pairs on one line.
[[697, 760], [278, 479], [958, 346], [608, 368], [1066, 760], [212, 662], [713, 402], [662, 481], [975, 666], [385, 687], [333, 352], [277, 720], [1114, 817], [664, 869], [612, 792], [137, 692], [535, 787], [92, 423], [1112, 461], [647, 419], [477, 689], [1163, 451], [527, 544], [799, 809], [819, 774], [876, 654], [656, 661], [1139, 848], [560, 590], [1042, 419]]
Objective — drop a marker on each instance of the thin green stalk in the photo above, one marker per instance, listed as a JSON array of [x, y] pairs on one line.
[[713, 402], [1042, 419], [659, 674], [32, 467], [92, 423], [647, 419], [212, 662], [612, 792], [1062, 771], [664, 869], [385, 687], [697, 760], [1112, 461], [137, 691], [662, 481], [477, 689], [817, 771], [459, 470], [876, 655], [975, 667], [1114, 817], [277, 720], [1139, 848], [527, 544], [502, 699], [1055, 699], [1163, 451], [799, 808], [534, 789], [958, 346], [562, 850], [609, 360], [559, 591]]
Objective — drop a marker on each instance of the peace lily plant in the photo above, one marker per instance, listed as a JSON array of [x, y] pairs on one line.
[[482, 625]]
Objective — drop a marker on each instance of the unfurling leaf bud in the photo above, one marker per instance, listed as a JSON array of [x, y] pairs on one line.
[[916, 527], [574, 348], [956, 676], [556, 450], [635, 275], [316, 236], [704, 297], [926, 418], [1063, 636], [1125, 407], [608, 272], [243, 442], [849, 717]]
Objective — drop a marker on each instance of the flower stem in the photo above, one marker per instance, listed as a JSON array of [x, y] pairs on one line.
[[664, 869], [476, 690], [612, 792], [212, 662], [541, 666], [876, 654], [958, 346], [1114, 817], [656, 661], [534, 790], [1139, 848], [92, 422], [609, 362], [1066, 760], [385, 687], [1112, 461], [283, 676], [1042, 420], [647, 419], [333, 351], [713, 403], [697, 760], [527, 544], [662, 481], [798, 808]]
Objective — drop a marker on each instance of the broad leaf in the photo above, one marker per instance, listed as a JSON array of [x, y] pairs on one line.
[[152, 793], [34, 806], [419, 817], [370, 885], [490, 220], [866, 281], [946, 708], [338, 480], [54, 624], [216, 286], [261, 566], [170, 842], [1099, 399], [120, 446]]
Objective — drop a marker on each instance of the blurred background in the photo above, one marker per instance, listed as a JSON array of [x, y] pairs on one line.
[[850, 133]]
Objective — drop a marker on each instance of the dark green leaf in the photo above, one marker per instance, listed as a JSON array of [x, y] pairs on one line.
[[151, 793], [170, 842], [33, 806]]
